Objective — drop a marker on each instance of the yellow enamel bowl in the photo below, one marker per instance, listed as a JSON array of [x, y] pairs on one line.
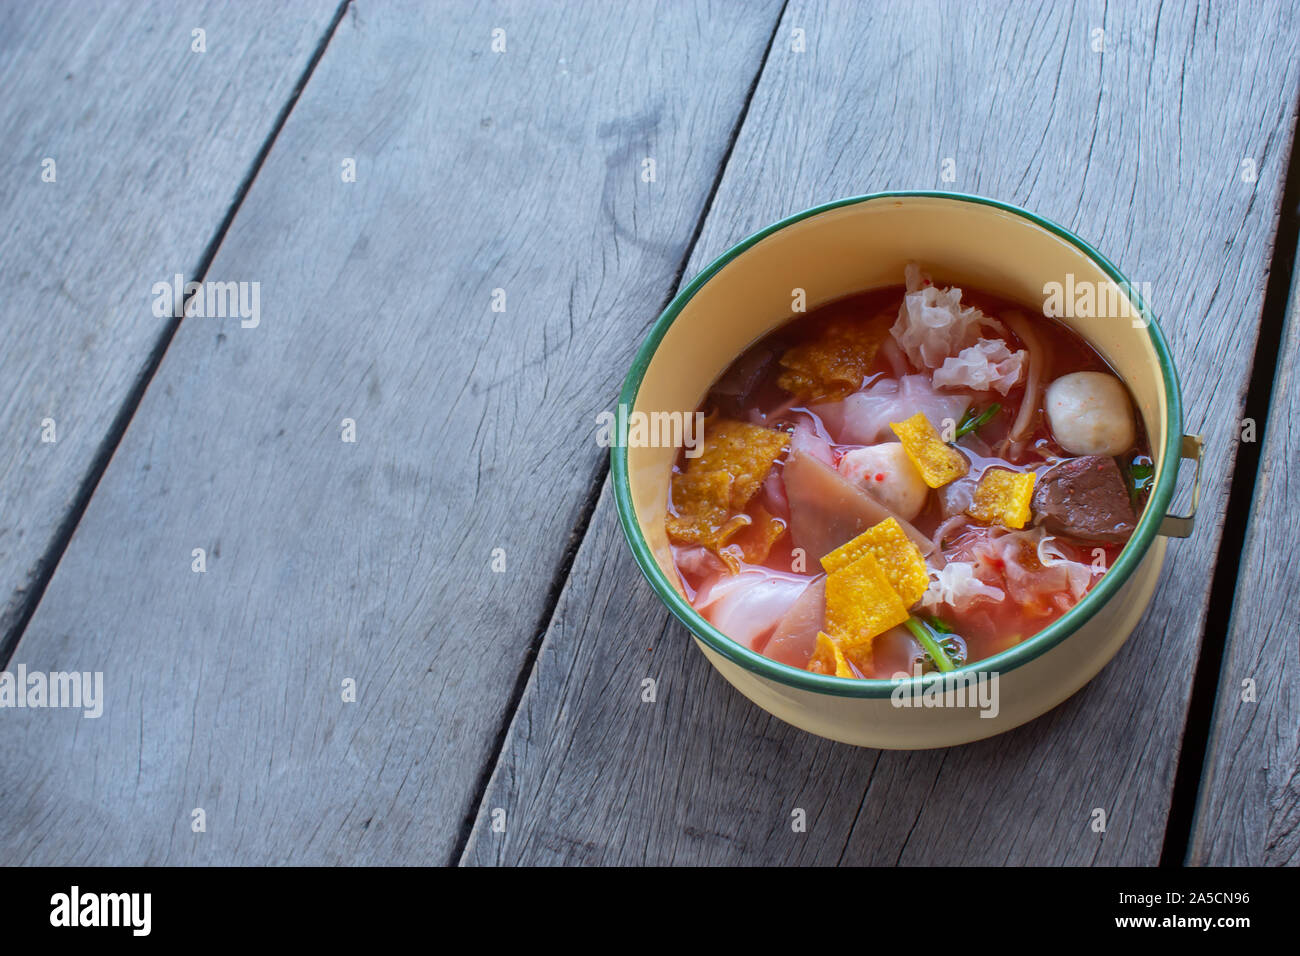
[[854, 245]]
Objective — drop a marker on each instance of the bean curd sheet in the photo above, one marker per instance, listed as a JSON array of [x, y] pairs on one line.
[[906, 480]]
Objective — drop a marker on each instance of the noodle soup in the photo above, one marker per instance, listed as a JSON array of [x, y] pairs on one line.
[[906, 480]]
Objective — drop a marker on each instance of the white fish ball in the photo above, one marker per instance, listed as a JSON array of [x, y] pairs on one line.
[[1090, 414], [889, 476]]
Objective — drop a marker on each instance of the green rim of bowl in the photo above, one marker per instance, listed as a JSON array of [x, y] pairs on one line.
[[1028, 649]]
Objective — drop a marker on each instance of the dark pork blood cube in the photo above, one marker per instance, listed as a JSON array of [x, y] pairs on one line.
[[733, 393], [1085, 498]]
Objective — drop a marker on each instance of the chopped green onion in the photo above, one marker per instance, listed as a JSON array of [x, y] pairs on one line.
[[972, 422], [937, 625], [1139, 472], [932, 647]]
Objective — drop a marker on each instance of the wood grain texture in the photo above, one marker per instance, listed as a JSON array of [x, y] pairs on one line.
[[150, 142], [1248, 810], [1138, 149], [475, 430]]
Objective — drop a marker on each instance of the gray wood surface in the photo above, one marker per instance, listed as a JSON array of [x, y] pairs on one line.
[[150, 142], [1139, 149], [1248, 811], [329, 561]]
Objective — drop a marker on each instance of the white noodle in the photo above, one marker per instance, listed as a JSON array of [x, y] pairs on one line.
[[1029, 403]]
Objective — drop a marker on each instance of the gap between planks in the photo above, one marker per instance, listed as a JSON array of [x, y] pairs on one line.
[[1236, 520], [49, 562], [580, 528]]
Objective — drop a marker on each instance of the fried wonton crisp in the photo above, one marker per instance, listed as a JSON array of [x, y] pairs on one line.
[[829, 658], [833, 364], [709, 498], [898, 557], [703, 505], [937, 462], [754, 542], [861, 603], [1002, 497], [744, 451]]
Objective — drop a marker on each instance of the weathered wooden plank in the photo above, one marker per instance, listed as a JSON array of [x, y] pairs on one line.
[[1248, 810], [1139, 148], [371, 561], [145, 141]]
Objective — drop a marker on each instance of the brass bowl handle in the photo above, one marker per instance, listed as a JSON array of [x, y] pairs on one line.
[[1180, 526]]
